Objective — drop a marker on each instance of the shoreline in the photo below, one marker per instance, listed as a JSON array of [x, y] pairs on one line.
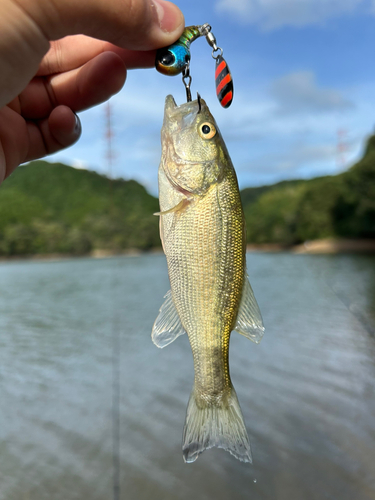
[[323, 247], [95, 254], [335, 245], [314, 247], [319, 247]]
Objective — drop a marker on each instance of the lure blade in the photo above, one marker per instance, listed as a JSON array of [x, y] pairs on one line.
[[223, 82]]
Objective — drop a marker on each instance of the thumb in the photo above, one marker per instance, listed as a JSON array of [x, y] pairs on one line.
[[131, 24]]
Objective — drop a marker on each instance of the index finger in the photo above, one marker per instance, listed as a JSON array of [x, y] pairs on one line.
[[28, 26], [74, 51]]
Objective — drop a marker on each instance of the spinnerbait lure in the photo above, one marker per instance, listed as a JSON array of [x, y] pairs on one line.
[[175, 59]]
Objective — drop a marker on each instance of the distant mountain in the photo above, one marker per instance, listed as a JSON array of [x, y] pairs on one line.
[[53, 208], [292, 212]]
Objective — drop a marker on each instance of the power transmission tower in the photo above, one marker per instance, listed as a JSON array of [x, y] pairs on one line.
[[116, 339], [342, 148], [109, 154]]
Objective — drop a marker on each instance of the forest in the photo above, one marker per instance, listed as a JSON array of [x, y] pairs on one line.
[[53, 208], [292, 212]]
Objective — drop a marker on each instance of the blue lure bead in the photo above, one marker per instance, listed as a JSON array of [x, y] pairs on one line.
[[173, 59]]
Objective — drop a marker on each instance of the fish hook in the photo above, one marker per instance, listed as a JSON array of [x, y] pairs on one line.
[[199, 102]]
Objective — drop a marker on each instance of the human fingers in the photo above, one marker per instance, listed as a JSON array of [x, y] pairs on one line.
[[73, 51], [27, 27], [132, 24], [81, 88], [22, 140], [61, 129], [13, 141]]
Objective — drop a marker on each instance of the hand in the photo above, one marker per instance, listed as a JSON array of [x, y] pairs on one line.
[[58, 57]]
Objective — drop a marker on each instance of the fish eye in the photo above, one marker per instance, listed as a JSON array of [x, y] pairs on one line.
[[207, 130], [167, 59]]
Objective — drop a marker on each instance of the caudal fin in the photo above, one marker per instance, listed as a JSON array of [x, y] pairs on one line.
[[222, 426]]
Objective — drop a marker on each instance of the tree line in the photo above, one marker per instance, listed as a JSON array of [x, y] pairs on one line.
[[52, 208], [291, 212]]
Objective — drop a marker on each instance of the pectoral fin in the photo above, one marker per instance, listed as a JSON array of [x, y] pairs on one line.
[[249, 320], [178, 208], [167, 326]]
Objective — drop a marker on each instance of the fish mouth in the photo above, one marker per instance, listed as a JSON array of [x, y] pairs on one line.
[[171, 110], [170, 105], [179, 118]]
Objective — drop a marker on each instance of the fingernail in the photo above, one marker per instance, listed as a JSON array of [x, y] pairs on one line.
[[169, 16], [77, 127]]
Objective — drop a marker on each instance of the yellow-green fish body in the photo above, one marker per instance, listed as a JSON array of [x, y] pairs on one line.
[[202, 228]]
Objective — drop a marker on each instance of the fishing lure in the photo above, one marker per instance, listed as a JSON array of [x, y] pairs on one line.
[[175, 59]]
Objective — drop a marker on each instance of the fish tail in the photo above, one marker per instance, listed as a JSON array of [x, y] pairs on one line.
[[218, 425]]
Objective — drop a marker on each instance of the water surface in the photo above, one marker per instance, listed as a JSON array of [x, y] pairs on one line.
[[307, 391]]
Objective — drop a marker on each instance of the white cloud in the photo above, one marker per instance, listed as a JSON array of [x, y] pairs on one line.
[[292, 105], [272, 14], [288, 129], [80, 164], [285, 128], [299, 92]]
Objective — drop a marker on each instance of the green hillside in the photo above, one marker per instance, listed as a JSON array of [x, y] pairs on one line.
[[291, 212], [53, 208], [49, 208]]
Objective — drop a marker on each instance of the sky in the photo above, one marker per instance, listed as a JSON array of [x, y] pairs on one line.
[[304, 93]]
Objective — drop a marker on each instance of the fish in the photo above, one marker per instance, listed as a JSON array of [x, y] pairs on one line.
[[202, 229]]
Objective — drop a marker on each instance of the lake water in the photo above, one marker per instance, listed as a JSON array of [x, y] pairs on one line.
[[75, 347]]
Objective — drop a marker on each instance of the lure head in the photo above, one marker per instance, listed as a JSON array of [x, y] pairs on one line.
[[172, 60], [194, 155]]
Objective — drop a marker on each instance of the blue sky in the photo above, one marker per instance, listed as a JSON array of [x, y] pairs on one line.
[[304, 80]]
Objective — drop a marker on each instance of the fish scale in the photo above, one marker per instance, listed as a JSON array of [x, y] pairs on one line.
[[209, 263]]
